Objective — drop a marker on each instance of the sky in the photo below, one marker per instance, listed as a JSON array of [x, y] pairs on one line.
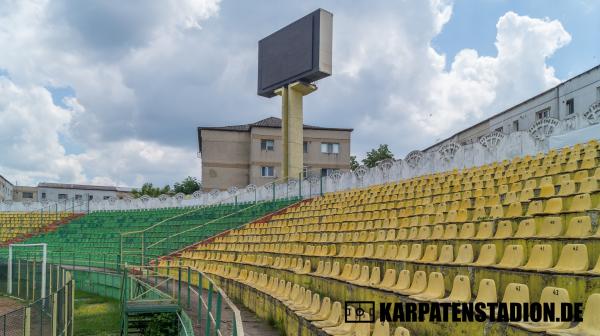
[[111, 92]]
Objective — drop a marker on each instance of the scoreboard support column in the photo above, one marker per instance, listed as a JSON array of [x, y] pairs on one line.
[[292, 130]]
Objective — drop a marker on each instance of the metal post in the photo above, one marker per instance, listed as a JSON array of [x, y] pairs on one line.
[[209, 310], [218, 318], [321, 185], [199, 297], [189, 281], [300, 185], [179, 285]]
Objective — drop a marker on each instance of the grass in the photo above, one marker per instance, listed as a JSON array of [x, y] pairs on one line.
[[96, 315]]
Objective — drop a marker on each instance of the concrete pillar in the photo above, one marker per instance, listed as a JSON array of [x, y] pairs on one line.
[[292, 127]]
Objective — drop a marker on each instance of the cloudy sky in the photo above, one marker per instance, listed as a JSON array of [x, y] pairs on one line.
[[111, 92]]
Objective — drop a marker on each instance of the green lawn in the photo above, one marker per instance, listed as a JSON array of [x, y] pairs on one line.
[[96, 315]]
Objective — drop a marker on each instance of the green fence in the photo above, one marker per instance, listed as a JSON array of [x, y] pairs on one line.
[[31, 313]]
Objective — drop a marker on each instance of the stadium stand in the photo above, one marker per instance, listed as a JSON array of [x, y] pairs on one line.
[[16, 226], [96, 237], [512, 231]]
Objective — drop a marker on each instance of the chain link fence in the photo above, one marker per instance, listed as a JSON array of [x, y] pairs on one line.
[[33, 314]]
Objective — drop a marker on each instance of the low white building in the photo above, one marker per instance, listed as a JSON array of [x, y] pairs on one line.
[[53, 192]]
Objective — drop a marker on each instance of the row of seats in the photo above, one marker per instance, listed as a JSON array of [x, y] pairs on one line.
[[419, 287], [15, 225]]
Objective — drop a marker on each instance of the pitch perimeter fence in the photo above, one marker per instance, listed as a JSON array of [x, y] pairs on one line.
[[25, 312]]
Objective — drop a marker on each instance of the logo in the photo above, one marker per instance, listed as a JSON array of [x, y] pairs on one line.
[[359, 312]]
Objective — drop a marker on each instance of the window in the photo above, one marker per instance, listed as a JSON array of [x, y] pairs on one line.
[[305, 171], [330, 148], [542, 114], [598, 93], [43, 195], [515, 125], [27, 194], [305, 146], [78, 197], [570, 106], [105, 197], [267, 171], [267, 144], [500, 129], [62, 196], [90, 197], [327, 171]]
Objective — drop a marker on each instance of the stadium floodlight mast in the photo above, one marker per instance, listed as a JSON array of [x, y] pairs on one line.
[[289, 61], [10, 253]]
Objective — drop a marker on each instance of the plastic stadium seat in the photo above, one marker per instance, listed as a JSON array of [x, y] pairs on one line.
[[515, 210], [375, 277], [461, 290], [535, 208], [388, 281], [579, 227], [302, 303], [451, 232], [430, 255], [487, 255], [573, 259], [513, 257], [446, 255], [554, 206], [315, 306], [323, 312], [464, 255], [363, 278], [547, 190], [486, 230], [438, 232], [467, 231], [343, 327], [550, 227], [591, 320], [335, 317], [403, 252], [418, 285], [526, 228], [435, 288], [504, 230], [589, 185], [596, 269], [487, 291], [401, 331], [567, 189], [580, 203], [403, 282], [550, 295], [381, 328], [416, 252], [516, 293], [540, 258], [335, 270]]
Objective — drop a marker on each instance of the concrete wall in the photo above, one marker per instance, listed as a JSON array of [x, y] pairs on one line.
[[225, 159], [19, 197], [6, 189]]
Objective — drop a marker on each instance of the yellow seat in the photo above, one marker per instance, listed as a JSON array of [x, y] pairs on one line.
[[486, 230], [403, 252], [435, 288], [333, 319], [516, 293], [401, 331], [554, 206], [589, 185], [596, 269], [388, 281], [579, 227], [526, 228], [363, 277], [515, 210], [535, 208], [381, 328], [580, 203], [504, 230], [513, 257], [573, 259], [323, 312], [446, 255], [540, 258], [451, 232], [430, 255], [438, 232], [550, 227], [315, 306], [486, 292], [591, 320], [547, 190], [553, 296], [464, 255], [461, 290], [487, 255], [403, 282], [467, 231], [418, 285], [343, 327], [567, 188], [416, 252]]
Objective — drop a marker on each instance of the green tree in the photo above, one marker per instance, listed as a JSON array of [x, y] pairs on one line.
[[150, 190], [187, 186], [376, 155], [353, 162]]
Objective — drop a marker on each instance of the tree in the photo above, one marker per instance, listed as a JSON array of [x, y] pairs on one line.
[[353, 162], [187, 186], [150, 190], [376, 155]]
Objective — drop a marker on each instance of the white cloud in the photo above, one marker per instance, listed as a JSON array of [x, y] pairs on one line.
[[156, 70]]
